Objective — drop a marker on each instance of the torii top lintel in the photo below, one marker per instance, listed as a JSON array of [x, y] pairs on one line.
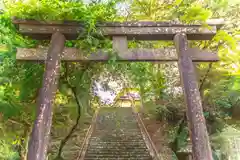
[[132, 30]]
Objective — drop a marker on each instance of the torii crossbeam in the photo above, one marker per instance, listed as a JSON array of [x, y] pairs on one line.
[[120, 33]]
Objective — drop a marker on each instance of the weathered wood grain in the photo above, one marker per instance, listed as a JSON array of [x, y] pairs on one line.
[[132, 30], [159, 33], [37, 148], [120, 44], [211, 22], [199, 136], [151, 55]]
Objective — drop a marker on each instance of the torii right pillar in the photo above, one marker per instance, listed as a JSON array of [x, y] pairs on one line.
[[200, 140]]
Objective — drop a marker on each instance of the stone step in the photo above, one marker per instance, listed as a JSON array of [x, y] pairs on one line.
[[116, 132], [116, 152], [118, 148], [116, 156], [119, 154], [117, 136], [119, 142], [118, 145]]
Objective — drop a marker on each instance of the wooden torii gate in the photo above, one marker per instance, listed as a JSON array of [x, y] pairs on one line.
[[120, 33]]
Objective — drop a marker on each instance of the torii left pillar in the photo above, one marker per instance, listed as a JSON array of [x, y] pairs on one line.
[[38, 144]]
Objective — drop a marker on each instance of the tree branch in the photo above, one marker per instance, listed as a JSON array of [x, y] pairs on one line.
[[64, 141], [74, 91], [205, 76], [209, 68]]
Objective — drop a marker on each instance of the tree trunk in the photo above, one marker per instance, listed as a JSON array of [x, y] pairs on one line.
[[37, 148], [199, 135], [74, 127]]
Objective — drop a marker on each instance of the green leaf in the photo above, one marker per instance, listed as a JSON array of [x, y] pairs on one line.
[[177, 2], [206, 114], [9, 110]]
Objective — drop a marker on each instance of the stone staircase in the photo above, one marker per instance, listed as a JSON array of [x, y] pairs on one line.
[[116, 136]]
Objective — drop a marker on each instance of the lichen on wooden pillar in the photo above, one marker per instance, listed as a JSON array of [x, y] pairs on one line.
[[37, 148], [199, 136]]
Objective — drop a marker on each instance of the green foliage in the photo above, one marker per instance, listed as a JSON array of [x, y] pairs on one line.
[[182, 138], [31, 81], [156, 111], [196, 13], [148, 78], [10, 37], [224, 96], [161, 112], [47, 10], [165, 109], [6, 152], [9, 110], [226, 142]]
